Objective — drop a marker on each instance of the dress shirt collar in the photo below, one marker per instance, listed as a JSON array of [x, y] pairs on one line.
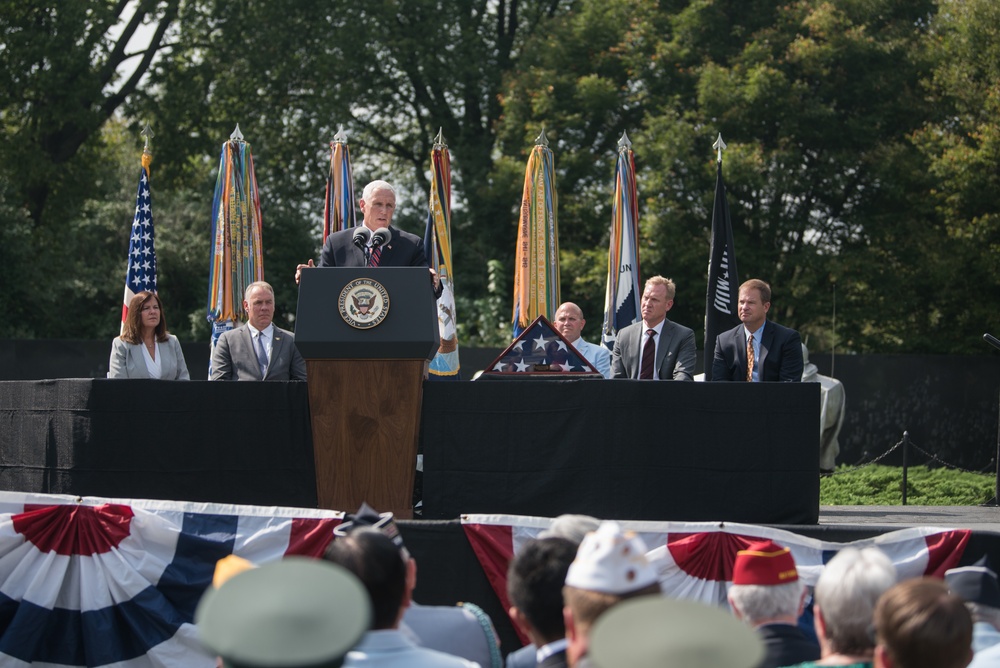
[[267, 331]]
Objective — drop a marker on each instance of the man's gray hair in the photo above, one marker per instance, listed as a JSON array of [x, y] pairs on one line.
[[376, 185], [257, 284], [846, 594], [759, 603]]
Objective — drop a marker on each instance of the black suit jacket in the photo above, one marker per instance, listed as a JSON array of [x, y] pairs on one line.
[[402, 250], [786, 645], [780, 355]]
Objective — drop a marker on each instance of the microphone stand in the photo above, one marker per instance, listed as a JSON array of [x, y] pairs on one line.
[[995, 342]]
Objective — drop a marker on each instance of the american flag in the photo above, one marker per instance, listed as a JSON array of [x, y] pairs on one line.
[[141, 273]]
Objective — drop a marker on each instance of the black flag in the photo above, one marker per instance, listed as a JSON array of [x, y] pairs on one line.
[[723, 279]]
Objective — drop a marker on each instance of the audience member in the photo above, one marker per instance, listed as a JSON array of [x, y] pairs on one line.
[[390, 583], [768, 595], [655, 347], [977, 585], [845, 598], [572, 528], [920, 624], [535, 582], [658, 632], [772, 352], [569, 322], [294, 613], [610, 567], [137, 353], [257, 349]]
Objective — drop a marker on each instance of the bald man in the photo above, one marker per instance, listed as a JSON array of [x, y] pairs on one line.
[[569, 322]]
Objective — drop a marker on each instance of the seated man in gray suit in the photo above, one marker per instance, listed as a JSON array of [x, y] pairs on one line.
[[257, 350], [655, 347]]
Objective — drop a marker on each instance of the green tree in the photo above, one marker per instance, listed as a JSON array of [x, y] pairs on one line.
[[963, 147], [66, 70]]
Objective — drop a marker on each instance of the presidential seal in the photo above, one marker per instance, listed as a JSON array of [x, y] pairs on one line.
[[363, 303]]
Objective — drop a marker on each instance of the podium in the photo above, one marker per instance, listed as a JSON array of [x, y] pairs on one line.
[[366, 335]]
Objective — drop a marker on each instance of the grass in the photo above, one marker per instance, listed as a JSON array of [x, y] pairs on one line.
[[883, 486]]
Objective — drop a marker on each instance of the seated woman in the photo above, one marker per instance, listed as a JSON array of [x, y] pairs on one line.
[[145, 349]]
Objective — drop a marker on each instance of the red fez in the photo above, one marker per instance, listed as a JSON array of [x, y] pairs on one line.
[[764, 563]]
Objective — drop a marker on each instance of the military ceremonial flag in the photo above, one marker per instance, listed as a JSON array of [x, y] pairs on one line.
[[339, 213], [141, 272], [437, 248], [723, 279], [237, 255], [536, 267], [621, 302]]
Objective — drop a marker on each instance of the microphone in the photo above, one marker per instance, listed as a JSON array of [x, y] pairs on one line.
[[380, 236], [361, 235]]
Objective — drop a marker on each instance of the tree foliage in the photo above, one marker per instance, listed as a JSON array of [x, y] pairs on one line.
[[862, 134]]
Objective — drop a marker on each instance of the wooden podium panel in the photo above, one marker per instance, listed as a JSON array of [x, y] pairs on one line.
[[366, 422]]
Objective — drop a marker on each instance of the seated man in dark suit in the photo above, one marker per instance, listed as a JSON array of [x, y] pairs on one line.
[[402, 249], [257, 350], [774, 352], [655, 347]]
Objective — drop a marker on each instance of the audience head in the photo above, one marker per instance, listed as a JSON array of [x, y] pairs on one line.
[[144, 311], [766, 586], [258, 302], [845, 598], [610, 566], [655, 631], [573, 528], [380, 566], [535, 581], [294, 613], [977, 585], [920, 624]]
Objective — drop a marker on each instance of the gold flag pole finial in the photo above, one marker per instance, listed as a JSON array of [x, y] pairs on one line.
[[719, 147]]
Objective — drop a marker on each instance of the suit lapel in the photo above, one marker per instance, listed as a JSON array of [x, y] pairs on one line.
[[389, 249], [765, 344], [666, 334], [638, 339]]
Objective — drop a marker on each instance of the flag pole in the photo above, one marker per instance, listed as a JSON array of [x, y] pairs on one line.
[[140, 273], [722, 294]]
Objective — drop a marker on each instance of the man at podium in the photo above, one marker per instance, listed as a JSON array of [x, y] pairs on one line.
[[375, 243]]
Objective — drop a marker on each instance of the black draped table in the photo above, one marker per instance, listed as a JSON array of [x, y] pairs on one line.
[[244, 443], [614, 449], [623, 449]]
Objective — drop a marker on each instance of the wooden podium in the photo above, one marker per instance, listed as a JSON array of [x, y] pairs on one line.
[[366, 380]]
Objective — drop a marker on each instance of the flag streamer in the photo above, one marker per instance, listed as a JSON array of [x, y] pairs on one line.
[[141, 272], [536, 269], [237, 254], [339, 213], [621, 302], [437, 248]]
